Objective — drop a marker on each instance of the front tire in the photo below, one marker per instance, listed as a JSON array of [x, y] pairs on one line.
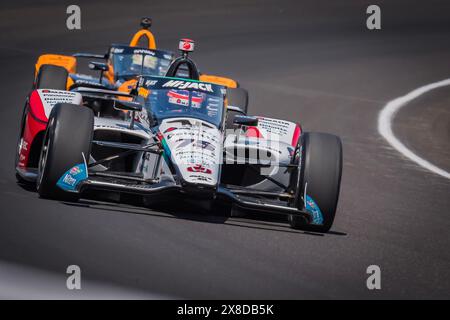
[[320, 174], [19, 178], [68, 136]]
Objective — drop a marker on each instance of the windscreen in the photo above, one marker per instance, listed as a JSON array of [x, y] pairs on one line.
[[173, 98], [130, 62]]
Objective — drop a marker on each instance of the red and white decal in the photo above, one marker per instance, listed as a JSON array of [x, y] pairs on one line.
[[199, 168], [42, 101], [186, 45], [253, 132], [286, 131], [182, 98]]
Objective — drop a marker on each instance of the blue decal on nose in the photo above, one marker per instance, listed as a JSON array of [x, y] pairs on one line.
[[72, 177], [312, 207]]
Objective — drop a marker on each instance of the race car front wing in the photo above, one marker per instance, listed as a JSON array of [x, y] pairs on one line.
[[78, 180]]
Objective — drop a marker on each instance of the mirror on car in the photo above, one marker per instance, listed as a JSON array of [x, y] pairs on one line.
[[127, 105], [94, 65], [235, 109], [248, 121]]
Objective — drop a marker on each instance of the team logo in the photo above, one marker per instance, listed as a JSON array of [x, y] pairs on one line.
[[75, 170], [199, 168], [188, 85], [68, 179]]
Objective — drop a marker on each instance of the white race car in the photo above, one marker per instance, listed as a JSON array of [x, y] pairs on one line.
[[169, 139]]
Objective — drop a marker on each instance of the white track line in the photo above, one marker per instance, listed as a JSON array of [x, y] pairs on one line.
[[25, 282], [385, 125]]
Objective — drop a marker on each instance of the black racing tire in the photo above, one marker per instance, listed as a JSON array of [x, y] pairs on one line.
[[51, 77], [19, 178], [320, 172], [68, 136], [237, 97]]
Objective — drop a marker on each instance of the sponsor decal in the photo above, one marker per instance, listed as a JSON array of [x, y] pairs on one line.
[[199, 168], [72, 177], [51, 97], [69, 180], [195, 143], [183, 122], [198, 178], [213, 109], [82, 76], [117, 50], [178, 99], [75, 170], [84, 81], [194, 148], [205, 145], [312, 207], [149, 83], [143, 92], [184, 143], [170, 129], [179, 84], [143, 51], [23, 145]]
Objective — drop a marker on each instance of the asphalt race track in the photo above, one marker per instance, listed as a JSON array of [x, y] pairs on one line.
[[309, 61]]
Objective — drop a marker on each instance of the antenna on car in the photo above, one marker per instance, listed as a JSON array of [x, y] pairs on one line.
[[146, 23]]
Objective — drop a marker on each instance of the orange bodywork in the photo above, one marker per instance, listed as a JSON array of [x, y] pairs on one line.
[[109, 75], [70, 83], [143, 34], [227, 82], [126, 87], [67, 62]]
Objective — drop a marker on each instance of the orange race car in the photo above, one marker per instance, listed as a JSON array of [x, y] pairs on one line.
[[121, 66]]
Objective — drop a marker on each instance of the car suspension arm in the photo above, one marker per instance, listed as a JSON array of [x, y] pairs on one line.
[[132, 148]]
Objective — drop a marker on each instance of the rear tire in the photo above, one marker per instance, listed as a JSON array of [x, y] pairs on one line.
[[51, 77], [236, 97], [68, 135], [320, 172]]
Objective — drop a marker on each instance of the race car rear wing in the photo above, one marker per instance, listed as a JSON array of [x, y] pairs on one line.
[[90, 55]]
